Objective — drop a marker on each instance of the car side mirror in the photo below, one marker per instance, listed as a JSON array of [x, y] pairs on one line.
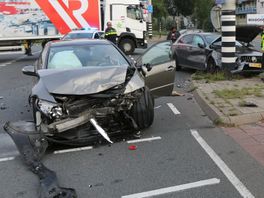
[[148, 66], [29, 70], [202, 46]]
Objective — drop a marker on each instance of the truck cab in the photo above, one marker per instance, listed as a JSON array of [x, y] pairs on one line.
[[127, 18]]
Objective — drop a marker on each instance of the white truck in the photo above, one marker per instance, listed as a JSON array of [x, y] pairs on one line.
[[30, 21]]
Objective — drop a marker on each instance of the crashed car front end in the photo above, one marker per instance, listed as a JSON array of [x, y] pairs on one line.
[[249, 63], [77, 116]]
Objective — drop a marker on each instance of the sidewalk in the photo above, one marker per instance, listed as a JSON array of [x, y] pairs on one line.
[[238, 105]]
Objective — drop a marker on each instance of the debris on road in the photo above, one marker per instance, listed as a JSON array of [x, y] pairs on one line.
[[175, 93], [132, 147], [1, 97], [3, 106], [247, 104], [21, 133]]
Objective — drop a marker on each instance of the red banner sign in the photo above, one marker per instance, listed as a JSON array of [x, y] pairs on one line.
[[72, 14]]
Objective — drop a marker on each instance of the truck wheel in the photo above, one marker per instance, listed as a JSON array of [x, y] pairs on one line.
[[127, 46], [143, 110]]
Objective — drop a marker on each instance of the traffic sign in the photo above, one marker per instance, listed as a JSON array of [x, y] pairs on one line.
[[67, 14], [150, 9], [217, 2], [255, 19]]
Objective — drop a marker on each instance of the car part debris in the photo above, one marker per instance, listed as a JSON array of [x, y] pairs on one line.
[[175, 93], [21, 133], [132, 147], [100, 130], [248, 104]]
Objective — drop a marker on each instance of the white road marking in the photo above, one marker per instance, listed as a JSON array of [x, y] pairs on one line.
[[172, 189], [73, 150], [157, 107], [174, 109], [6, 159], [241, 188], [143, 140]]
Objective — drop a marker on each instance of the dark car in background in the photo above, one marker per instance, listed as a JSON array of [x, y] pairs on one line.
[[89, 88], [202, 51]]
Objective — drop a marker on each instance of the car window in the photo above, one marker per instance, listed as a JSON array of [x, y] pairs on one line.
[[78, 35], [186, 39], [196, 40], [160, 53], [65, 57], [211, 37]]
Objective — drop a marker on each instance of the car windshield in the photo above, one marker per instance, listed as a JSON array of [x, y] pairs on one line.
[[78, 35], [69, 57], [211, 37]]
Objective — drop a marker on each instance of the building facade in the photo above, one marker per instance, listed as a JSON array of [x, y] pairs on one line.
[[260, 6], [245, 7]]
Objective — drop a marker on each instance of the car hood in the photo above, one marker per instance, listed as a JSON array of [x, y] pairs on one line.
[[82, 81], [247, 33], [244, 34]]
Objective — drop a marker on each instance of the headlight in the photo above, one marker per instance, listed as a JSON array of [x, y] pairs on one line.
[[50, 109]]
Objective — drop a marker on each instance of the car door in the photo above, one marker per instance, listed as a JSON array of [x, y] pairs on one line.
[[197, 57], [160, 79], [182, 50]]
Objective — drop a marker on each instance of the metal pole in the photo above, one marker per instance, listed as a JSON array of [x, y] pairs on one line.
[[149, 26], [228, 20]]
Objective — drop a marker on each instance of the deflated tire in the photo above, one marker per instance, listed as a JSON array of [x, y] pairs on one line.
[[143, 110]]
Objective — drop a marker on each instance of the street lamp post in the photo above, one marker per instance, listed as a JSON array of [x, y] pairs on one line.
[[228, 20]]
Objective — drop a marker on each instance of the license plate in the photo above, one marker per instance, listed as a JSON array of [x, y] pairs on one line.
[[256, 65]]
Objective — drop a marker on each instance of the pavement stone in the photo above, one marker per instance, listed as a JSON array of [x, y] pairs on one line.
[[248, 121]]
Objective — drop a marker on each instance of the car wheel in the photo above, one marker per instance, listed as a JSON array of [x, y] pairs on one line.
[[178, 67], [127, 46], [211, 66], [143, 110]]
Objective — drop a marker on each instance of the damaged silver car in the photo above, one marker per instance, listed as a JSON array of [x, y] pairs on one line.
[[86, 90], [89, 88]]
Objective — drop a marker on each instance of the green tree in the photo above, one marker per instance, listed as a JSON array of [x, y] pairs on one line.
[[160, 9], [202, 13]]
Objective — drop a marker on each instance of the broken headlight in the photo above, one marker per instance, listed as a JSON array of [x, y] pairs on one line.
[[50, 109]]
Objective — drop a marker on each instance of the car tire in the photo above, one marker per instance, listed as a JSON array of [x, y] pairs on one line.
[[127, 46], [178, 67], [211, 66], [143, 110]]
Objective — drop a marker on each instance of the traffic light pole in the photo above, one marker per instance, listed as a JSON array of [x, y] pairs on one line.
[[228, 20]]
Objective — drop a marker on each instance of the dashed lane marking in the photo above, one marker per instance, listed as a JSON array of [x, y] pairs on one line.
[[73, 150], [173, 189], [19, 58], [157, 107], [144, 140], [240, 187], [174, 109], [7, 159]]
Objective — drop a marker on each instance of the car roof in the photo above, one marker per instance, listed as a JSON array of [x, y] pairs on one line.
[[82, 31], [59, 43]]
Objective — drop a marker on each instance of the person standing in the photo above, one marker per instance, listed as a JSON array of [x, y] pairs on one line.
[[173, 35], [110, 33]]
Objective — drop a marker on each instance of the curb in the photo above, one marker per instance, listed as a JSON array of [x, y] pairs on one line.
[[218, 118]]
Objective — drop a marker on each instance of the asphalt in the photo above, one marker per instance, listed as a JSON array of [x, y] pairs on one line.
[[114, 171]]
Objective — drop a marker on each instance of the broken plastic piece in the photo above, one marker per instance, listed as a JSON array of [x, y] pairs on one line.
[[20, 132], [100, 130], [175, 93], [132, 147]]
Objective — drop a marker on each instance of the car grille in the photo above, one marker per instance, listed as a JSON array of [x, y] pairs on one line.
[[249, 59]]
